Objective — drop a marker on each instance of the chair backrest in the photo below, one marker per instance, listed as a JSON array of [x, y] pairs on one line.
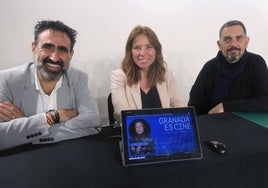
[[110, 109]]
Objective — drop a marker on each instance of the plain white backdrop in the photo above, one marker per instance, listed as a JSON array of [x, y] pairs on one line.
[[187, 29]]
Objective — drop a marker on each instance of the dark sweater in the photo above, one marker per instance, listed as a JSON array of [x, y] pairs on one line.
[[247, 93]]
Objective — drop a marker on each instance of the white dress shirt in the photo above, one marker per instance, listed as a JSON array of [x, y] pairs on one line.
[[46, 102]]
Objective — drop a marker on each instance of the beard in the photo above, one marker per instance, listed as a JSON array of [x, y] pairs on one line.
[[47, 74], [233, 58]]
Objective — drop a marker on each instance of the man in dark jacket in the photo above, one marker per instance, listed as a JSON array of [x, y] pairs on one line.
[[235, 80]]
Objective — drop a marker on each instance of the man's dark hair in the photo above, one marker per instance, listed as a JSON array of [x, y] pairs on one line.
[[57, 26], [232, 23]]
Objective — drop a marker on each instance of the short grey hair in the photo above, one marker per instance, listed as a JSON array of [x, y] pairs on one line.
[[232, 23]]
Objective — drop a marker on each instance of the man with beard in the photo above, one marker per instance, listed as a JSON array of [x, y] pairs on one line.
[[46, 101], [235, 80]]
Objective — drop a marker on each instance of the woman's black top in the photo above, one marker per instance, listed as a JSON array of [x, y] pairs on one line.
[[151, 99]]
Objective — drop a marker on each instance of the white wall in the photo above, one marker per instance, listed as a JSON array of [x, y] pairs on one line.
[[187, 29]]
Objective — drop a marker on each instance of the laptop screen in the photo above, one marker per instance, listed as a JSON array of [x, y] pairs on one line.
[[159, 135]]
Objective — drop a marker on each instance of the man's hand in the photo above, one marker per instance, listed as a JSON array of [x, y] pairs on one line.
[[217, 109], [67, 114], [9, 111]]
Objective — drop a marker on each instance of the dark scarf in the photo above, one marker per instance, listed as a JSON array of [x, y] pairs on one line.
[[226, 74]]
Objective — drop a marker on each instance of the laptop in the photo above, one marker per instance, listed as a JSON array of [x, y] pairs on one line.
[[159, 135]]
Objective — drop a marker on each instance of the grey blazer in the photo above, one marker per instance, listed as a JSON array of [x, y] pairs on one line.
[[17, 85]]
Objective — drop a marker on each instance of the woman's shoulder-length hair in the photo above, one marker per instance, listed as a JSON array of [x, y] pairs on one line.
[[157, 70]]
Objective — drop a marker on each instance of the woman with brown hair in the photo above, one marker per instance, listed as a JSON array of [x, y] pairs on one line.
[[143, 81]]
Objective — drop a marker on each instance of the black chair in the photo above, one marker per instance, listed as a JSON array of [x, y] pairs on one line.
[[114, 130], [110, 110]]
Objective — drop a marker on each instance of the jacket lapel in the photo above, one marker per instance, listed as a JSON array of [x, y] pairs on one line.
[[163, 94], [29, 94], [136, 95], [65, 95]]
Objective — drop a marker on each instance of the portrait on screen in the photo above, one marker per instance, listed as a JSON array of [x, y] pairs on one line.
[[141, 143]]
